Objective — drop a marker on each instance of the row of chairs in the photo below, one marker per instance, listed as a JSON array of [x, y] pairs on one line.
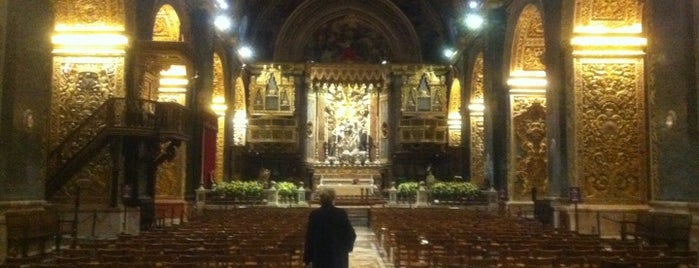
[[464, 238]]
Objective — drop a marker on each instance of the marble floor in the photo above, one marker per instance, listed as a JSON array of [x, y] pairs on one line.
[[366, 252]]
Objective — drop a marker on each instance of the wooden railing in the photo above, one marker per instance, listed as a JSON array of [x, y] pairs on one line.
[[115, 117]]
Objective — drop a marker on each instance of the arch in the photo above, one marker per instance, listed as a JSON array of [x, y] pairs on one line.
[[528, 41], [381, 16], [167, 25], [477, 132]]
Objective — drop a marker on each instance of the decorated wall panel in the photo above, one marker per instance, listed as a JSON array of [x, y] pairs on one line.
[[530, 162], [90, 13], [617, 14], [171, 175], [81, 85], [93, 180], [219, 106], [167, 25], [611, 147]]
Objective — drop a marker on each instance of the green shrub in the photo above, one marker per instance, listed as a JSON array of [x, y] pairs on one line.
[[287, 189], [239, 189], [407, 189], [454, 190]]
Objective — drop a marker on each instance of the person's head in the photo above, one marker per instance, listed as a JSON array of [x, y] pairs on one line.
[[327, 196]]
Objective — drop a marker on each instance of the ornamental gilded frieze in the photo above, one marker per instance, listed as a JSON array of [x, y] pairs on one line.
[[531, 162], [608, 13], [611, 151], [89, 12]]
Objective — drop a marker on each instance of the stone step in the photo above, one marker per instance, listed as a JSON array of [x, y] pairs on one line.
[[358, 216]]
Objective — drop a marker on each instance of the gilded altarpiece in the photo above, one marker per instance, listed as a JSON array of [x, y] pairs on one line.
[[476, 138], [271, 106], [530, 162], [611, 149]]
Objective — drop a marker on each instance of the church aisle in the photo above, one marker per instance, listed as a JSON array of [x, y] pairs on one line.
[[366, 254]]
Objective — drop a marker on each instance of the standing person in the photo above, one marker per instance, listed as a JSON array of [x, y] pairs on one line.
[[330, 235]]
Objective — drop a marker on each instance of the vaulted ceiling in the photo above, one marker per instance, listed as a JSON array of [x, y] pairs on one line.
[[363, 31]]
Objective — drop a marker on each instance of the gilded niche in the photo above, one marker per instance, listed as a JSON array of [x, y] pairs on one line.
[[531, 162], [611, 150], [425, 93], [271, 92]]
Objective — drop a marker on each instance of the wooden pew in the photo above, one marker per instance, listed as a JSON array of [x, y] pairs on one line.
[[32, 227]]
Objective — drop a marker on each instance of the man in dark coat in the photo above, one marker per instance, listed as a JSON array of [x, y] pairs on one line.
[[330, 236]]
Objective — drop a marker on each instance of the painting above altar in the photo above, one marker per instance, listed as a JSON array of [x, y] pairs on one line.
[[347, 122]]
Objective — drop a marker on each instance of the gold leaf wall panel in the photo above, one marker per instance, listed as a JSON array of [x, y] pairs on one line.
[[80, 86], [611, 147], [608, 13], [90, 12], [171, 175], [529, 41], [477, 151], [93, 179], [530, 163], [477, 79]]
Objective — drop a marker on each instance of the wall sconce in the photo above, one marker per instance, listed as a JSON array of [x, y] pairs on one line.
[[670, 119]]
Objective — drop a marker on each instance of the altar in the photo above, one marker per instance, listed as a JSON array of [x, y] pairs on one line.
[[348, 180]]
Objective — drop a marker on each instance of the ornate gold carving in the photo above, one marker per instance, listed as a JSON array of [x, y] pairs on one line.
[[608, 13], [530, 159], [477, 151], [477, 138], [80, 86], [529, 41], [167, 25], [272, 93], [611, 148], [93, 180], [90, 12], [477, 79], [170, 175], [455, 97], [239, 96]]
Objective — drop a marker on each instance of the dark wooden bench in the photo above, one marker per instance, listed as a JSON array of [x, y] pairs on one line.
[[659, 228], [33, 228]]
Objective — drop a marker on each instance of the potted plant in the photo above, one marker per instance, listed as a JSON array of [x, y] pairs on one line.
[[287, 191]]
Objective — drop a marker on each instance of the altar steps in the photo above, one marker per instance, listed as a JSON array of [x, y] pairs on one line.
[[359, 217]]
